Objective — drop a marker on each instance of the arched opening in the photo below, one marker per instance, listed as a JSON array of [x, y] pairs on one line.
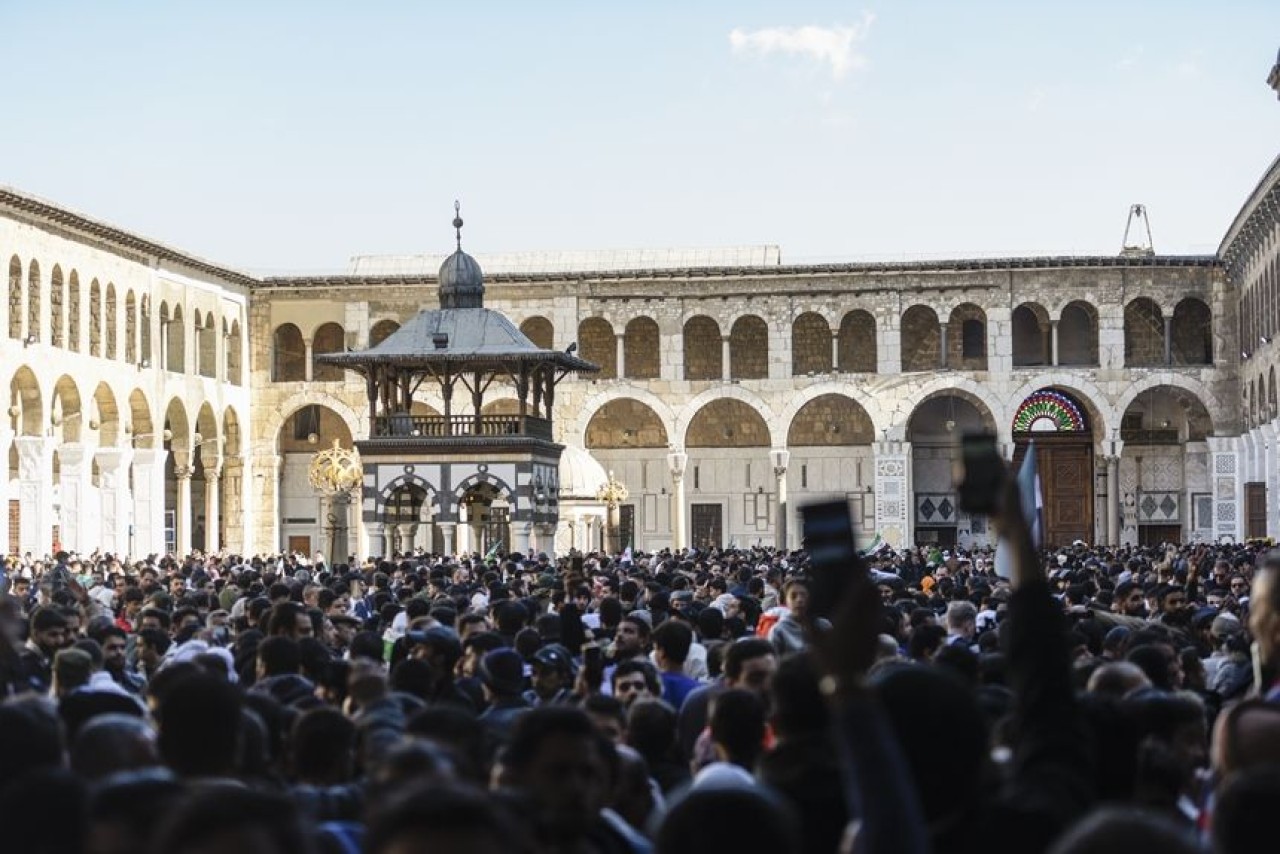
[[24, 394], [402, 515], [95, 318], [33, 301], [27, 419], [111, 320], [57, 308], [177, 440], [176, 343], [810, 345], [487, 515], [625, 423], [640, 349], [73, 312], [703, 350], [1059, 426], [539, 331], [382, 330], [830, 440], [67, 411], [501, 406], [597, 344], [1078, 335], [206, 481], [329, 338], [857, 343], [106, 416], [749, 349], [921, 339], [130, 329], [140, 428], [303, 513], [1271, 394], [934, 430], [288, 354], [15, 298], [1168, 490], [235, 345], [1192, 333], [728, 479], [967, 338], [1031, 336], [207, 345], [145, 355], [1143, 333]]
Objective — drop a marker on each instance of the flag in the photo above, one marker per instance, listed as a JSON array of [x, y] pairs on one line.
[[493, 550], [1031, 503]]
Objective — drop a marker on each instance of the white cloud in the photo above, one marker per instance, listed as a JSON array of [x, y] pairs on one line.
[[835, 47]]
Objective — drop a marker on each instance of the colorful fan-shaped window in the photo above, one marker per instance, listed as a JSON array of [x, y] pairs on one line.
[[1049, 411]]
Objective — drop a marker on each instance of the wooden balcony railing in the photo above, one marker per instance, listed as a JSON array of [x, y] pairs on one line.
[[410, 427]]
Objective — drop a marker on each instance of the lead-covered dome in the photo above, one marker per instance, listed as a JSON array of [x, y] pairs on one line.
[[461, 279]]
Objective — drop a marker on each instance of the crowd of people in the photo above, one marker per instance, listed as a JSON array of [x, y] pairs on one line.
[[1097, 700]]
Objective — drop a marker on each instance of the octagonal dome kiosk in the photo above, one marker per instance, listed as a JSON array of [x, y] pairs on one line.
[[441, 474]]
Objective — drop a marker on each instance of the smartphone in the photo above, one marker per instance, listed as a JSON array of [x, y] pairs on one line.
[[833, 558], [981, 475]]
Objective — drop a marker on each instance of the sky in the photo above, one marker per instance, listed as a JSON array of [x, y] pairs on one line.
[[285, 137]]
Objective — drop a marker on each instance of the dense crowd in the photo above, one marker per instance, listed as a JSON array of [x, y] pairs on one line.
[[1097, 700]]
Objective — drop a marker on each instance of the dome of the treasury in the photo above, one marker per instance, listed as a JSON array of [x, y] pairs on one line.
[[461, 279], [581, 474]]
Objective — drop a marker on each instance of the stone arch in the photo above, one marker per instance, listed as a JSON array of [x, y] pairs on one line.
[[288, 354], [33, 300], [592, 405], [501, 406], [328, 338], [130, 328], [625, 422], [980, 394], [831, 420], [312, 427], [539, 331], [235, 343], [1078, 334], [597, 344], [57, 307], [206, 332], [921, 339], [810, 344], [110, 311], [106, 413], [703, 350], [936, 409], [207, 431], [801, 397], [25, 397], [66, 412], [177, 425], [73, 312], [1143, 333], [640, 348], [413, 480], [857, 342], [176, 342], [505, 491], [967, 338], [356, 425], [749, 348], [232, 438], [691, 407], [1187, 384], [15, 299], [141, 426], [95, 318], [1102, 418], [382, 330], [1164, 414], [1031, 336], [145, 356], [727, 422], [1271, 392], [1192, 333]]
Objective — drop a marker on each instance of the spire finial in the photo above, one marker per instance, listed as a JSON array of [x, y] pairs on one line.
[[457, 221]]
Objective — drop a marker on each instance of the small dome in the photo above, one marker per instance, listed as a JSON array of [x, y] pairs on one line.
[[461, 282], [581, 475]]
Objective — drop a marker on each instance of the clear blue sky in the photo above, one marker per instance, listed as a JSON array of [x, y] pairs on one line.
[[279, 136]]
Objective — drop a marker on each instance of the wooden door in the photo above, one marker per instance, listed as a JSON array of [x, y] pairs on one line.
[[1066, 481], [1255, 511], [626, 526], [708, 525], [301, 544]]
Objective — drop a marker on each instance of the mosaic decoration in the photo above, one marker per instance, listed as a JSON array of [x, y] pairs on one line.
[[1049, 411]]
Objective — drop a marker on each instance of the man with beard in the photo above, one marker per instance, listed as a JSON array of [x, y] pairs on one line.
[[1128, 600]]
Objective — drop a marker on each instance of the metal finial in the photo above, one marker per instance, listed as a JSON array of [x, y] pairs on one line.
[[457, 221]]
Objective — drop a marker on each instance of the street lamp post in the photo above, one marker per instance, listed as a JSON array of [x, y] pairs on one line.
[[335, 473], [612, 493]]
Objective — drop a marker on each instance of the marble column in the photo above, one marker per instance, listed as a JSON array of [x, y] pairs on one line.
[[781, 457], [233, 504], [74, 468], [726, 368], [465, 543], [676, 463], [374, 544], [6, 438], [265, 470], [1053, 342], [447, 531], [620, 340], [1168, 340], [942, 345], [212, 509], [148, 501], [35, 494], [521, 537], [894, 510], [835, 351], [113, 490], [182, 510], [1113, 499]]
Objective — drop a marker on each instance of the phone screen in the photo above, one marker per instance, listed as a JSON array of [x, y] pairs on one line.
[[834, 560]]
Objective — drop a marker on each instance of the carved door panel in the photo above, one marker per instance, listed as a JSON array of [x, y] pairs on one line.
[[708, 525], [1255, 510], [1066, 481]]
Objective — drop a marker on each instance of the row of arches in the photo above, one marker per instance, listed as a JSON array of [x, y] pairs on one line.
[[1260, 305], [97, 321], [1260, 400]]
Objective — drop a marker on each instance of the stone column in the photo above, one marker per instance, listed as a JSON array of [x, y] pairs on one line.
[[893, 492], [835, 351], [6, 438], [212, 509], [1113, 499], [405, 530], [726, 369], [148, 501], [306, 349], [447, 531], [521, 537], [372, 544], [113, 466], [464, 532], [74, 468], [676, 463], [1228, 487], [1271, 463], [233, 505], [620, 338], [942, 344], [35, 477], [265, 470], [1168, 340], [1053, 342], [781, 457], [182, 510]]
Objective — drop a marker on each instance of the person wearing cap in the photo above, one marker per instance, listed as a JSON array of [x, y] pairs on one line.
[[440, 648], [553, 674], [502, 680]]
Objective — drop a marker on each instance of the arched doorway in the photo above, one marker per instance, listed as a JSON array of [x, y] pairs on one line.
[[303, 514], [934, 431], [627, 437], [486, 514], [402, 517], [1164, 473], [1059, 426]]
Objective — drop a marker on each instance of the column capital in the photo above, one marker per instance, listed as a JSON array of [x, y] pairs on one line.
[[111, 458], [182, 472]]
